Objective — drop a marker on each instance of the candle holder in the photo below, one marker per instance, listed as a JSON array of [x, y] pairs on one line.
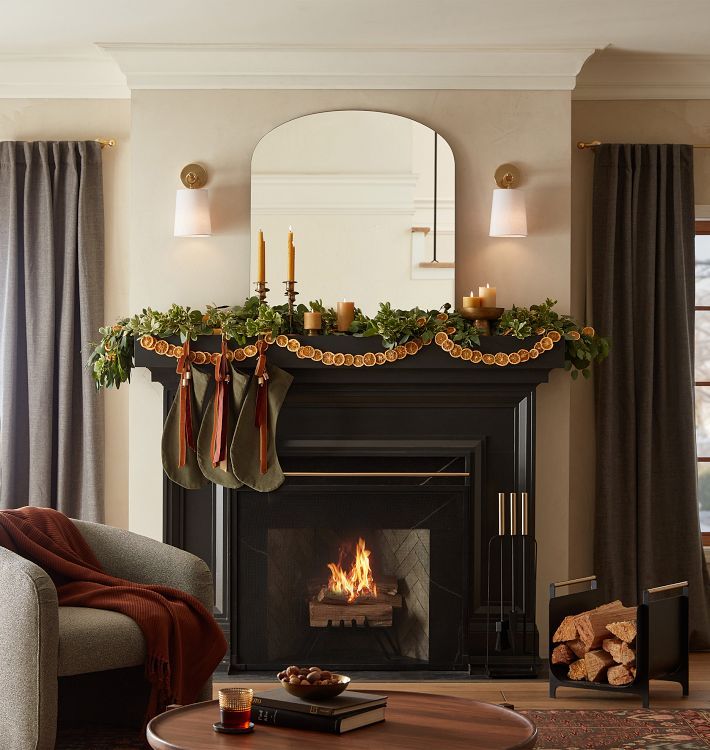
[[291, 294], [261, 290], [482, 317]]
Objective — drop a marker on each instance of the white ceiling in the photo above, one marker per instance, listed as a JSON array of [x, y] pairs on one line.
[[38, 34]]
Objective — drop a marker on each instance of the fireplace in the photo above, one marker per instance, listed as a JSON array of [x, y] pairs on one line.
[[408, 457]]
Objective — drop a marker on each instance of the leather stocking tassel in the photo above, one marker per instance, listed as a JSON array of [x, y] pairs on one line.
[[262, 405], [221, 411], [187, 437]]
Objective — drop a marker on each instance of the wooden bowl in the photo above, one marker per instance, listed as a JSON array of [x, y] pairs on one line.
[[482, 313], [318, 692]]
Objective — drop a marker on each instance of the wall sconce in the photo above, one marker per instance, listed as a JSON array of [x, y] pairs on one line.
[[192, 204], [508, 215]]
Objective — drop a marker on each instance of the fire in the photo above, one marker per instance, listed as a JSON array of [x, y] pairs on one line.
[[359, 581]]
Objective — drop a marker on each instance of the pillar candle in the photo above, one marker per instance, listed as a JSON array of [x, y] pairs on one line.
[[291, 256], [346, 314], [471, 301], [487, 294], [262, 258], [312, 321]]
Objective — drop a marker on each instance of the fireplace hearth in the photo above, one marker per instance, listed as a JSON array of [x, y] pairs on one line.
[[408, 457]]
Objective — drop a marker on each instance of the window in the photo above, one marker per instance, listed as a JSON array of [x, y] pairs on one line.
[[702, 370]]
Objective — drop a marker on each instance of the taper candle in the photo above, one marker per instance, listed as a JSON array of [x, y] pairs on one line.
[[471, 301], [501, 514], [513, 513], [487, 294], [524, 519], [262, 258], [346, 314], [291, 256]]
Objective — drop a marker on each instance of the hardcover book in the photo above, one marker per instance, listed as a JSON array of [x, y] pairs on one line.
[[280, 717], [345, 703]]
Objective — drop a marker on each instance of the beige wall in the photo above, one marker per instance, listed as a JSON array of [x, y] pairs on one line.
[[82, 119], [655, 121], [221, 129]]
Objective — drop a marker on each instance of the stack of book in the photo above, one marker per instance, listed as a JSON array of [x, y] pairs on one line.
[[345, 712]]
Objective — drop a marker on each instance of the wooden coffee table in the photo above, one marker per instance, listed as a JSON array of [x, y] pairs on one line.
[[415, 721]]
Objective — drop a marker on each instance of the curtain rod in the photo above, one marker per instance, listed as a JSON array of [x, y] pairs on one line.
[[581, 145], [103, 142]]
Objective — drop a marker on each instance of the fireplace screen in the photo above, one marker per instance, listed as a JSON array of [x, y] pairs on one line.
[[359, 576]]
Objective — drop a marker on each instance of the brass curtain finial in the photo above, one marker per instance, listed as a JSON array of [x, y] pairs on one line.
[[103, 142]]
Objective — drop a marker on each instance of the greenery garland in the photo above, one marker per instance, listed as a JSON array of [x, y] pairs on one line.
[[111, 360]]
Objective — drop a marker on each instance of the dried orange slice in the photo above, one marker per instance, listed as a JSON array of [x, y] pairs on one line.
[[199, 358], [391, 355], [161, 347], [533, 354], [293, 345], [400, 351], [448, 345], [281, 340], [588, 331], [574, 335], [523, 354], [539, 331], [307, 351], [440, 337], [171, 350], [300, 353], [476, 356], [451, 330], [349, 360], [239, 355], [339, 359], [250, 350], [358, 360], [456, 351], [380, 358], [317, 355], [466, 353], [192, 357], [179, 351], [328, 358], [215, 357], [538, 346], [411, 347], [501, 359], [514, 358], [269, 337], [546, 343], [369, 359], [554, 335], [488, 359], [229, 355], [421, 321], [148, 342], [442, 316]]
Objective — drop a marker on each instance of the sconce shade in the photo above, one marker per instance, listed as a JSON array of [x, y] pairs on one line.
[[192, 213], [508, 215]]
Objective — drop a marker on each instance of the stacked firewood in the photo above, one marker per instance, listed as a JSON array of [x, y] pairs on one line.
[[598, 645]]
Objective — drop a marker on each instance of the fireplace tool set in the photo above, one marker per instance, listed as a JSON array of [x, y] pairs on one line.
[[511, 643]]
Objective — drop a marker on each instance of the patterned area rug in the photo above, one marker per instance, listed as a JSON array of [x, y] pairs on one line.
[[622, 729], [618, 729]]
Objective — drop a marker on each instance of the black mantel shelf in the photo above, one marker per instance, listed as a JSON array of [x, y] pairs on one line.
[[430, 360]]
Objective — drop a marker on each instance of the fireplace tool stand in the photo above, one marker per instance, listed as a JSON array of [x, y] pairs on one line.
[[511, 643]]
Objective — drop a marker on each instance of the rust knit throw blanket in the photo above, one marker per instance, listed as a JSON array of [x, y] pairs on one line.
[[184, 643]]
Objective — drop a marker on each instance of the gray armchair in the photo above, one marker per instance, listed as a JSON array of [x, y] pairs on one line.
[[41, 643]]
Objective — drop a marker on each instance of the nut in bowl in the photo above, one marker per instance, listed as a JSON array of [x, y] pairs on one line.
[[312, 683]]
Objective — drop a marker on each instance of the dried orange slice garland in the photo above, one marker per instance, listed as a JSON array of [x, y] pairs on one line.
[[306, 351]]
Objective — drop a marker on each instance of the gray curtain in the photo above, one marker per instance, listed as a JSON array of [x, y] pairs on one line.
[[51, 304], [643, 287]]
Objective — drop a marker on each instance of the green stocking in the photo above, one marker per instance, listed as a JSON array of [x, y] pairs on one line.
[[216, 474], [189, 475], [245, 444]]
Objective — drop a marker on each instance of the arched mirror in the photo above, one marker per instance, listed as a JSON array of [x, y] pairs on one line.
[[370, 198]]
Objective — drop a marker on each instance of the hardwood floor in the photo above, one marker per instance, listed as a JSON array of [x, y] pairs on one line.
[[533, 693]]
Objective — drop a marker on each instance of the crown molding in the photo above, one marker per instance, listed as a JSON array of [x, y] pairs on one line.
[[624, 75], [254, 66], [91, 75]]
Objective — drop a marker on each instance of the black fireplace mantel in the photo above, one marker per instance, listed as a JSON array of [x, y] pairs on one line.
[[484, 413]]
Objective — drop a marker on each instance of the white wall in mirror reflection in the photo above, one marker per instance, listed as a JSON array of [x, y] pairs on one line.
[[352, 185]]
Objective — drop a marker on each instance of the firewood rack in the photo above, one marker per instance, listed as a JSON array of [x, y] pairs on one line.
[[661, 640]]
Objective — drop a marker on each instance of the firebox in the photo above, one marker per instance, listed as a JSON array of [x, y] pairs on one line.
[[360, 563]]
